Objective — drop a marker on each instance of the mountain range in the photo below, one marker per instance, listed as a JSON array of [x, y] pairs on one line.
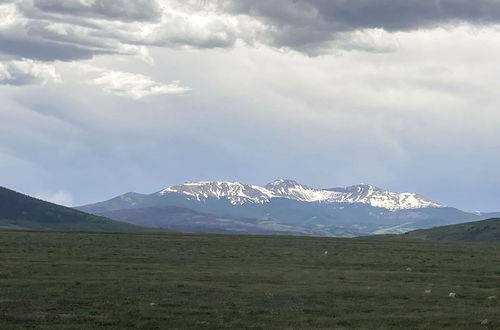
[[281, 206], [238, 193]]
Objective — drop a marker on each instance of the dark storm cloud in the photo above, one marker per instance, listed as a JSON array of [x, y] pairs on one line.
[[45, 50], [50, 30], [300, 23], [79, 29], [123, 10]]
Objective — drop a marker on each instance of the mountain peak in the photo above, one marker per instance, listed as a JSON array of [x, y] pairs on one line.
[[291, 189], [237, 193], [282, 183], [361, 187], [369, 194]]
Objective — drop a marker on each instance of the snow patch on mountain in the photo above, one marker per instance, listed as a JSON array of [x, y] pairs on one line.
[[293, 190], [238, 193], [368, 194]]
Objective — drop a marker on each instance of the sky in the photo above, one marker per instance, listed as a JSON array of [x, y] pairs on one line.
[[99, 98]]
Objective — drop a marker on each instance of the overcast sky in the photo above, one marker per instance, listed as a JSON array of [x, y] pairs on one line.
[[98, 97]]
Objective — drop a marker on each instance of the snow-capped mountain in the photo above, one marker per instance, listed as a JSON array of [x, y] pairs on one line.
[[236, 192], [239, 193], [368, 194], [293, 190], [236, 207]]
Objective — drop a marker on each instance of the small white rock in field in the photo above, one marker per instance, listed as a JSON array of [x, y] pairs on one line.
[[428, 291], [152, 304], [484, 322], [408, 269], [492, 297], [326, 252], [452, 295]]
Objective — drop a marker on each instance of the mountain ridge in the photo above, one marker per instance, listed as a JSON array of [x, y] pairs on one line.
[[239, 193], [477, 231], [346, 211], [20, 211]]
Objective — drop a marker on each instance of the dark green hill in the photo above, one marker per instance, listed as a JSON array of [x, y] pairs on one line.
[[477, 231], [18, 211]]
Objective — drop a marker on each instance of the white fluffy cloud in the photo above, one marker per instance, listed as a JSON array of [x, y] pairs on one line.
[[134, 85], [26, 72]]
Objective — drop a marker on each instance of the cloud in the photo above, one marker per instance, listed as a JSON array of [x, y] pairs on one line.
[[311, 25], [59, 197], [133, 85], [50, 30], [183, 26], [27, 72], [125, 10], [29, 32]]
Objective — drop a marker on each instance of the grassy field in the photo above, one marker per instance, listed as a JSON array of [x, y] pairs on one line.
[[53, 280]]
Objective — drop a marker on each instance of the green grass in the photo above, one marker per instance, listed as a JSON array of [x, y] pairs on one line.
[[54, 280]]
